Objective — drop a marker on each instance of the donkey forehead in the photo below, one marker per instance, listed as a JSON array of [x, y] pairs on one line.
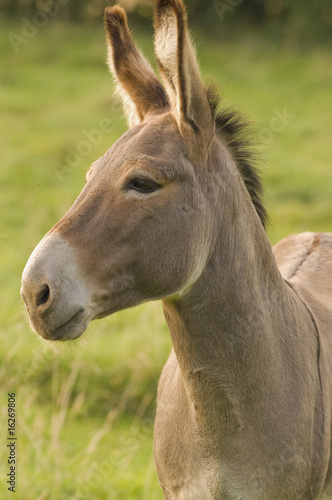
[[155, 143]]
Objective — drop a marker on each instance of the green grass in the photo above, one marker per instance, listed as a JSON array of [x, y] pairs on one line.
[[85, 415]]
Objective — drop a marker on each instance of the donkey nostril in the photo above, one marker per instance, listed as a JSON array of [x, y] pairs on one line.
[[43, 296]]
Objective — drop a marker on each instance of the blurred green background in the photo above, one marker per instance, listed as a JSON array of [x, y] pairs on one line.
[[85, 412]]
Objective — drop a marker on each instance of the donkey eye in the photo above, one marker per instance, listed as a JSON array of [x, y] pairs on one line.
[[143, 185]]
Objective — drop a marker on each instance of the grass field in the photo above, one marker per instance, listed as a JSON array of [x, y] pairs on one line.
[[85, 415]]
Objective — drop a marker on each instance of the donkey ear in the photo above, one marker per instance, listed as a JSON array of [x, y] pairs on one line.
[[179, 68], [141, 91]]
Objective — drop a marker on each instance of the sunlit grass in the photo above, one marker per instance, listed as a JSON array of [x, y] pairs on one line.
[[84, 414]]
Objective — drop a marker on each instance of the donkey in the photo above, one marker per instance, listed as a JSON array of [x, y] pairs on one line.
[[173, 211]]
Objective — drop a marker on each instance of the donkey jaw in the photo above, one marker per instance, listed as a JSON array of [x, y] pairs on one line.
[[58, 303]]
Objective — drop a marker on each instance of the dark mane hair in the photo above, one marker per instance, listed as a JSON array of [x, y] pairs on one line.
[[234, 129]]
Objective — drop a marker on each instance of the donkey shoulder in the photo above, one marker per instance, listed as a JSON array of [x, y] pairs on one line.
[[305, 260]]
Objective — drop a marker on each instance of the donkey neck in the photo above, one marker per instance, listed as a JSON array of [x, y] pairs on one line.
[[223, 327]]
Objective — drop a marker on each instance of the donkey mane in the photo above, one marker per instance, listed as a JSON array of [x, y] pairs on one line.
[[233, 128]]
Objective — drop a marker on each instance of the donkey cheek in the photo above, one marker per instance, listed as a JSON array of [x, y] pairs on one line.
[[121, 283]]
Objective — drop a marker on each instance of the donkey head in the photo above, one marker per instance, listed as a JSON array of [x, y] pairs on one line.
[[142, 227]]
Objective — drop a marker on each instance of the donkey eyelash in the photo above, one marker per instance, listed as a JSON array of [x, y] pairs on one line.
[[143, 185]]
